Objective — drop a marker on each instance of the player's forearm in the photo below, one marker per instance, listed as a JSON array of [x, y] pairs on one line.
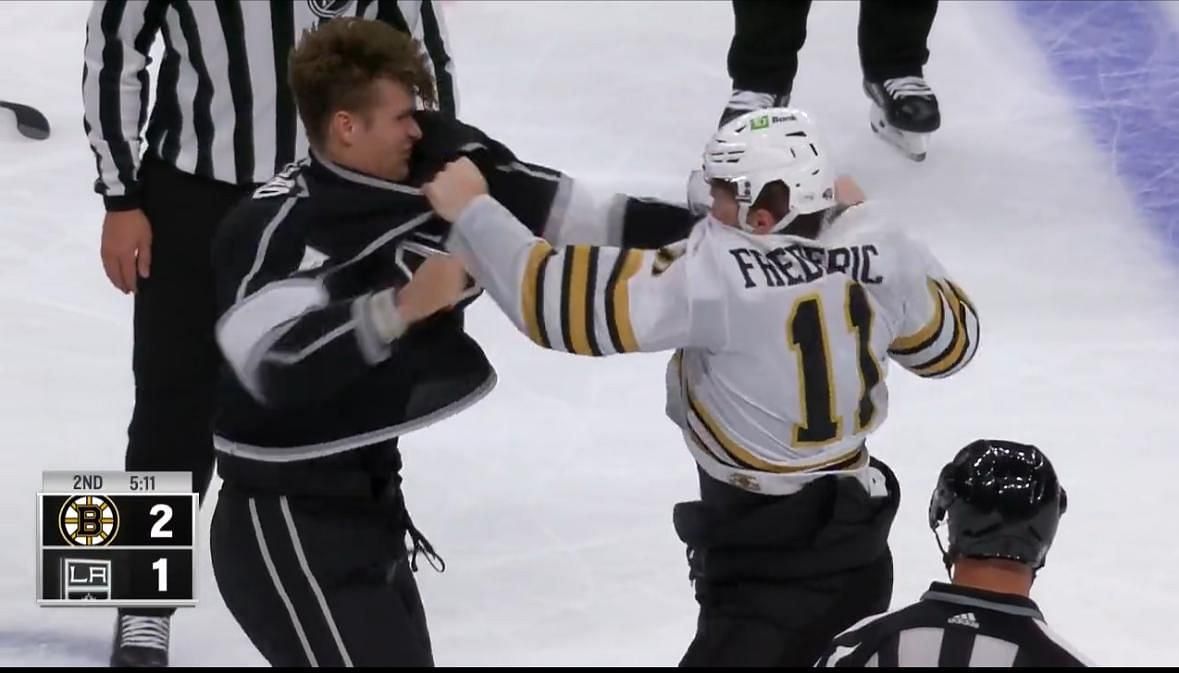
[[949, 338], [320, 352], [589, 215], [576, 299], [496, 247], [649, 224], [288, 346]]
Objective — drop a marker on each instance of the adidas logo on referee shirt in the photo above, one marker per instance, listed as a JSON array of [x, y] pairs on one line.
[[965, 619]]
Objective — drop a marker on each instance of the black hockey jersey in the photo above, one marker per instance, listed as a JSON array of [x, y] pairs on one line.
[[306, 376]]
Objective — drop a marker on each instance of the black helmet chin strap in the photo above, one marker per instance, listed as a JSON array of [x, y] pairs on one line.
[[945, 554]]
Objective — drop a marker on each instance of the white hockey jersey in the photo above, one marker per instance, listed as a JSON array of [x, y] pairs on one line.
[[782, 344]]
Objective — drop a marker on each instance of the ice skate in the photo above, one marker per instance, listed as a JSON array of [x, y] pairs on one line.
[[904, 113], [741, 101], [140, 642]]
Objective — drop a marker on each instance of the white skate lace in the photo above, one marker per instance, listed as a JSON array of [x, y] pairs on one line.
[[139, 631], [750, 100], [902, 87]]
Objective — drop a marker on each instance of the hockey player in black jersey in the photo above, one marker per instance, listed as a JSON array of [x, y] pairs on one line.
[[1002, 502], [341, 326]]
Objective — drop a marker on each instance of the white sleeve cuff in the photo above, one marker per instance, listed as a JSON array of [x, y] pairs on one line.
[[387, 321]]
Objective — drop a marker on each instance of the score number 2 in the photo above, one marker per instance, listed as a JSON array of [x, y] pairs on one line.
[[163, 515]]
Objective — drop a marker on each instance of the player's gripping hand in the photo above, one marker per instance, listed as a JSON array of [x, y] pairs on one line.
[[848, 192], [437, 284], [453, 189]]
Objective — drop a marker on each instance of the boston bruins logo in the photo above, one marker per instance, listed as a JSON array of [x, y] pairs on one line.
[[88, 521], [328, 9]]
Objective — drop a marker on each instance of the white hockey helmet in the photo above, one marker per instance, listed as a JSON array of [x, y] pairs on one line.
[[764, 146]]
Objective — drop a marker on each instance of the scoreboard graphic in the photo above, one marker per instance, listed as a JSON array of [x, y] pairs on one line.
[[116, 539]]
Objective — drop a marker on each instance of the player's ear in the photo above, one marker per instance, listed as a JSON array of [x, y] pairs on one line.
[[343, 126]]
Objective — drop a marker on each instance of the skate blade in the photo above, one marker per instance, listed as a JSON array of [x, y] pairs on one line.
[[912, 145]]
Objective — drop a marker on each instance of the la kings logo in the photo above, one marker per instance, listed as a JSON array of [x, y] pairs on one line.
[[312, 259], [328, 9], [285, 183], [416, 249]]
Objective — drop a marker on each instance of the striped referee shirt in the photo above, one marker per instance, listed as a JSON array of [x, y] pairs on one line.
[[954, 626], [222, 107]]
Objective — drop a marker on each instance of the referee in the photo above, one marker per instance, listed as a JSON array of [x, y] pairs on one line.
[[1003, 502], [223, 121]]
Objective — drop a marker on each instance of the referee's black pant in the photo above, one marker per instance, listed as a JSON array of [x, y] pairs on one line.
[[175, 359], [321, 580], [768, 34]]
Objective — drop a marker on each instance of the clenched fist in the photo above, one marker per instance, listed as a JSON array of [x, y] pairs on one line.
[[848, 192], [437, 284], [453, 189]]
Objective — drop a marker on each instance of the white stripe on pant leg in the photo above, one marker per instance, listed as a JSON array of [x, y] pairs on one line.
[[327, 613], [286, 600]]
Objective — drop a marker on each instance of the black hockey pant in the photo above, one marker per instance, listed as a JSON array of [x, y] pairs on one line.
[[768, 34], [778, 577], [324, 580]]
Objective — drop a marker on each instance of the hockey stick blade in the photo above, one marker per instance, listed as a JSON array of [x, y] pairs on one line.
[[29, 121]]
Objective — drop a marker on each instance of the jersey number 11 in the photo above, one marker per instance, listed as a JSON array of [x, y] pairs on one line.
[[808, 340]]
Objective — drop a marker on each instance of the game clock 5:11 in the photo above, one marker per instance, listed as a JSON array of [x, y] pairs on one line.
[[137, 483]]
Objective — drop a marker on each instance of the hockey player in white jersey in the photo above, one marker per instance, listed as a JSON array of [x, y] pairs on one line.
[[784, 314]]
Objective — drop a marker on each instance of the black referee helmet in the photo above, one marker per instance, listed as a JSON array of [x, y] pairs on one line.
[[1002, 500]]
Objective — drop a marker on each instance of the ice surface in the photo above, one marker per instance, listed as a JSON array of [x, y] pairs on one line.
[[551, 500]]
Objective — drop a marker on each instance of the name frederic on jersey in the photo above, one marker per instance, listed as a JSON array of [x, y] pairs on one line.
[[798, 264]]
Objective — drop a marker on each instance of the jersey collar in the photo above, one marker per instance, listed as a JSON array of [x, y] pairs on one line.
[[978, 598]]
